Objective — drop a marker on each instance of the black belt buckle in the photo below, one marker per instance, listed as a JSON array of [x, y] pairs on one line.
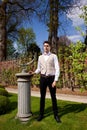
[[43, 75], [46, 76]]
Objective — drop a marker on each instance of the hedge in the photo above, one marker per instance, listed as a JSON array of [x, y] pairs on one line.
[[4, 104], [3, 92]]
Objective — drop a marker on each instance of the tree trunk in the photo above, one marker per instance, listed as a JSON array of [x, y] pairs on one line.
[[2, 32], [53, 25], [86, 37]]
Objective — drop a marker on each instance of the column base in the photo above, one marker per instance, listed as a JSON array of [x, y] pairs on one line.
[[24, 118]]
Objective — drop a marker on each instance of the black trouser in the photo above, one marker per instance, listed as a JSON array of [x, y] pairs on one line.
[[44, 82]]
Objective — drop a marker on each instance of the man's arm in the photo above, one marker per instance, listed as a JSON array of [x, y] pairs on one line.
[[57, 70], [38, 67]]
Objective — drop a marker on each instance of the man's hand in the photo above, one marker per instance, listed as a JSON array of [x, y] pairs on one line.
[[54, 84], [31, 72]]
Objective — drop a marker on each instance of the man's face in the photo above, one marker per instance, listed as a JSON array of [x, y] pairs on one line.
[[46, 47]]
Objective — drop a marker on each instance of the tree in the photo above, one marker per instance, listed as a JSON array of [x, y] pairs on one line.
[[86, 39], [53, 24], [54, 9], [64, 52], [2, 32], [12, 14], [79, 67], [34, 50], [17, 11], [64, 40], [10, 49], [84, 16], [25, 38]]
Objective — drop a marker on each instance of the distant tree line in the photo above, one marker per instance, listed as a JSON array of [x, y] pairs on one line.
[[73, 66]]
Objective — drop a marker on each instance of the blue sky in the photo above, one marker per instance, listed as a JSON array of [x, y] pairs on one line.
[[68, 27], [40, 29]]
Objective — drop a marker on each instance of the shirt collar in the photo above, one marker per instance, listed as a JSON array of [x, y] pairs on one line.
[[47, 53]]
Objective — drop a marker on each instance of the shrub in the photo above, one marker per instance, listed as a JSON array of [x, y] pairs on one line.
[[8, 76], [4, 104], [2, 86], [3, 92], [35, 80]]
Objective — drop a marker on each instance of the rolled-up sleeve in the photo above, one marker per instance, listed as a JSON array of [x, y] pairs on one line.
[[38, 67], [57, 68]]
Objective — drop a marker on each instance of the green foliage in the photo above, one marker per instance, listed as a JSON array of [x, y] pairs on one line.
[[78, 57], [73, 65], [26, 37], [4, 104], [4, 100], [3, 92], [80, 30], [8, 76], [84, 17], [10, 49], [84, 14], [36, 80], [2, 86]]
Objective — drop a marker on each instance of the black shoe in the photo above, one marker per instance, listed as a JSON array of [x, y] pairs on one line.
[[57, 119], [40, 118]]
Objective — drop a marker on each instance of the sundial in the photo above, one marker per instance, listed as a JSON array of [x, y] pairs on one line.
[[24, 65]]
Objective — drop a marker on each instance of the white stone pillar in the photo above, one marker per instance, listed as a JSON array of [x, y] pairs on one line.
[[24, 96]]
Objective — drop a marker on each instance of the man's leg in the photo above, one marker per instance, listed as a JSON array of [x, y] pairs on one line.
[[54, 100], [43, 86]]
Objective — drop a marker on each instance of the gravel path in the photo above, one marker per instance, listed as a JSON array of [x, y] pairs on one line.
[[66, 97]]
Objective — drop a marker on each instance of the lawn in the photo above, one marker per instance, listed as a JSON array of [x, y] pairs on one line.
[[73, 116]]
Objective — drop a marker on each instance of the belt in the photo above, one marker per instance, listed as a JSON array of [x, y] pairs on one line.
[[47, 76]]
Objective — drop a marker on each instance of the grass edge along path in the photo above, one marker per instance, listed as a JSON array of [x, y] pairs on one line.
[[73, 116]]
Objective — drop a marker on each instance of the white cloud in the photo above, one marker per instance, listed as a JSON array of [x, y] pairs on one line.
[[75, 38], [75, 14], [83, 2]]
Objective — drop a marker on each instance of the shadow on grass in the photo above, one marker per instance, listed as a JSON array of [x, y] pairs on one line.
[[64, 109], [69, 108]]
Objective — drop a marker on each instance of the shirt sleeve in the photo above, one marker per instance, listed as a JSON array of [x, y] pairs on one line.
[[38, 67], [57, 68]]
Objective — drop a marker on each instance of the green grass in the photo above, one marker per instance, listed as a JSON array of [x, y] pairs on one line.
[[73, 116]]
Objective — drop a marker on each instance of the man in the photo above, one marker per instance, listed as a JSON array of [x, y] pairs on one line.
[[48, 68]]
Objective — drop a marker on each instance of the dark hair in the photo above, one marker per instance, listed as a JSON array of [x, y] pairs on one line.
[[47, 42]]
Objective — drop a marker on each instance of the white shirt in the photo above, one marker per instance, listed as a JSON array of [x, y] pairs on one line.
[[57, 69]]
